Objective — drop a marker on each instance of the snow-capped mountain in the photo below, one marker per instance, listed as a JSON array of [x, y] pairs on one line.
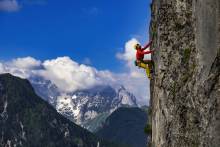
[[45, 89], [85, 105]]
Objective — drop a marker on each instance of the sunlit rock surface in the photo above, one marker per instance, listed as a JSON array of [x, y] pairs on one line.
[[185, 90]]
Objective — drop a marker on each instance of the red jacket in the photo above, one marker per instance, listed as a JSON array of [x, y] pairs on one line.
[[140, 52]]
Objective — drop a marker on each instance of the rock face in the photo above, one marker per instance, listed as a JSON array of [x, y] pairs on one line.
[[185, 90]]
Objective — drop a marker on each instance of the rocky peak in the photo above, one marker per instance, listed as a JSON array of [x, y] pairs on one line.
[[83, 105]]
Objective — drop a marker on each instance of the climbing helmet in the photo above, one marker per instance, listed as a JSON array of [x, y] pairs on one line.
[[137, 46]]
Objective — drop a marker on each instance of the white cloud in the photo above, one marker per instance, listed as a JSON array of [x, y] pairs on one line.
[[9, 5], [129, 53], [68, 75], [21, 67], [2, 68], [65, 73], [26, 63]]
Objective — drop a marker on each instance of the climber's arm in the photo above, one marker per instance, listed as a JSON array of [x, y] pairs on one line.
[[148, 52], [147, 45]]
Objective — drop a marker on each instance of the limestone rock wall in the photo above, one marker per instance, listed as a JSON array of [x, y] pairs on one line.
[[185, 90]]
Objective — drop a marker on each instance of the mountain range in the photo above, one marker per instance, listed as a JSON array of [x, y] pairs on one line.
[[28, 121], [88, 108]]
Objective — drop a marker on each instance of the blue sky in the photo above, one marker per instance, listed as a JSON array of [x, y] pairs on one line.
[[80, 29]]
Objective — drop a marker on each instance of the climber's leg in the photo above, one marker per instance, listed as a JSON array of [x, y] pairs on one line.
[[147, 65], [148, 71], [150, 64], [147, 61], [140, 64]]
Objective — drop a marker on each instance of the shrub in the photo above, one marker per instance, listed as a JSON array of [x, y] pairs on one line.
[[148, 129]]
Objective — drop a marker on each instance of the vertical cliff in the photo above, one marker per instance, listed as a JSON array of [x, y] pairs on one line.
[[185, 90]]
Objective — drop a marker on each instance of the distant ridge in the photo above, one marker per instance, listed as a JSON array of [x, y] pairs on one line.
[[28, 121]]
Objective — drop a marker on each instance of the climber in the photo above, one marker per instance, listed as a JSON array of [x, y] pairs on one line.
[[140, 62]]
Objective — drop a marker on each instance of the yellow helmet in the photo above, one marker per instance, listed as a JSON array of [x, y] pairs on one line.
[[137, 46]]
